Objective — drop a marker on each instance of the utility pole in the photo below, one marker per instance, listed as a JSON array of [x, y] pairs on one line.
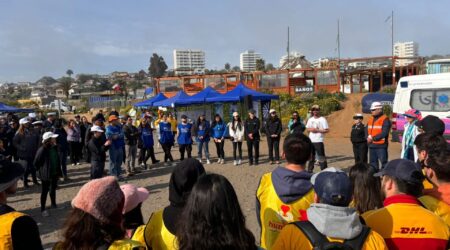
[[288, 61], [392, 48], [338, 43]]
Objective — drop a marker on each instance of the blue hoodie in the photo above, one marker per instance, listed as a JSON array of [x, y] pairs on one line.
[[184, 136], [165, 130], [219, 129], [146, 136], [111, 131]]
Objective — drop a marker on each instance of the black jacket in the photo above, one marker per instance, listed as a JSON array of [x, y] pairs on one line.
[[42, 162], [273, 127], [97, 149], [131, 134], [358, 133], [252, 126], [26, 144]]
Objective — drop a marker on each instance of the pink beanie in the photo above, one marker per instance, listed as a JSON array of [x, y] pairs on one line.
[[102, 198]]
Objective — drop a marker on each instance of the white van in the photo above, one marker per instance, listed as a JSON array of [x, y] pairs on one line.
[[430, 94]]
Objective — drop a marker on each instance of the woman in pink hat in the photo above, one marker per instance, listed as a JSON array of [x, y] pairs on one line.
[[133, 220], [409, 151]]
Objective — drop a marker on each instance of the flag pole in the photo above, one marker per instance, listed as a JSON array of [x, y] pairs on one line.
[[288, 65]]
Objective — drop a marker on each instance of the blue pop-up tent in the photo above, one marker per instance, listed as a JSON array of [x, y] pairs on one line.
[[200, 97], [151, 101], [173, 101], [384, 98], [6, 109], [239, 93]]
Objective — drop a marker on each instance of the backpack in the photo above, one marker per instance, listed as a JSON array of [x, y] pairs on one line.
[[320, 241]]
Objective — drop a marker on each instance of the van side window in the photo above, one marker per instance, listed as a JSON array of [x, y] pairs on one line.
[[436, 100]]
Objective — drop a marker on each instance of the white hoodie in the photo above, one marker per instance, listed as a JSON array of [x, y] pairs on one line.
[[238, 135]]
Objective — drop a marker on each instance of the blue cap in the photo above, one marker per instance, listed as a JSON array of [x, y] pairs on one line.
[[404, 170], [333, 187]]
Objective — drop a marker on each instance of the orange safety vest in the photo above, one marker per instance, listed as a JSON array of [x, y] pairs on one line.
[[6, 221], [275, 214], [376, 127]]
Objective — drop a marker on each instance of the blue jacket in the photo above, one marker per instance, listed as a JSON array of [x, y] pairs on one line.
[[202, 129], [115, 134], [184, 136], [165, 130], [218, 131], [146, 134]]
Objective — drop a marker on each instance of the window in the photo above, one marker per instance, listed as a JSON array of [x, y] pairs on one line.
[[436, 100], [231, 79], [170, 85], [327, 77], [273, 80], [216, 83]]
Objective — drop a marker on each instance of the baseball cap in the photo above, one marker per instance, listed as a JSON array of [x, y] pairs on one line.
[[272, 111], [10, 172], [376, 105], [24, 121], [404, 170], [431, 124], [48, 135], [112, 118], [97, 129], [413, 113], [333, 187], [133, 196], [315, 106], [37, 123], [235, 114], [358, 116], [51, 114], [32, 115]]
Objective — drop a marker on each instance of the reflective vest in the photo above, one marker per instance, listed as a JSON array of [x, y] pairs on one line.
[[375, 128], [6, 221], [275, 214], [156, 235], [405, 224], [436, 206], [126, 244], [138, 234]]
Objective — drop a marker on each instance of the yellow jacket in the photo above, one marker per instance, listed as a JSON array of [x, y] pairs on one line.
[[156, 235]]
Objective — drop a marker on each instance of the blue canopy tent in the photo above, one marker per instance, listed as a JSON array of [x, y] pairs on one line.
[[384, 98], [7, 109], [173, 101], [151, 101], [200, 97], [239, 93]]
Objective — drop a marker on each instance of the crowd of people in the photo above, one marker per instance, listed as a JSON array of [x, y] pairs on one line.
[[398, 204]]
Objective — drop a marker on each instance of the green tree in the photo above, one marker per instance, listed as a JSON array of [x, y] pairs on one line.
[[227, 66], [66, 84], [157, 66], [141, 75], [236, 69], [269, 67], [47, 80], [260, 64], [69, 72]]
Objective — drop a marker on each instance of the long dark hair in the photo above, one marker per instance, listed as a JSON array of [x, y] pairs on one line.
[[83, 231], [366, 188], [212, 218], [239, 124], [133, 219], [214, 123]]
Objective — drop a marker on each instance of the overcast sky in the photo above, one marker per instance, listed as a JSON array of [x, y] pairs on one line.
[[47, 37]]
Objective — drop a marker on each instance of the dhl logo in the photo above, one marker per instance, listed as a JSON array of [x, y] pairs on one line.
[[412, 230]]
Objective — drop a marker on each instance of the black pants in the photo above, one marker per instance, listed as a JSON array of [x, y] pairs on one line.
[[219, 149], [145, 154], [29, 169], [253, 145], [185, 148], [75, 151], [274, 145], [360, 150], [319, 148], [49, 186], [167, 154], [238, 146], [97, 169]]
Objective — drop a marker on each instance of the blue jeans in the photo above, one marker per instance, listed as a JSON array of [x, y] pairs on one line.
[[378, 155], [201, 145], [115, 161]]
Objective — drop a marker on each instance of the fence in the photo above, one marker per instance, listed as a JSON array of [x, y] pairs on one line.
[[105, 102]]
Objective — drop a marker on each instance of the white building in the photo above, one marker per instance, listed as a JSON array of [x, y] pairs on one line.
[[248, 60], [188, 61], [405, 49]]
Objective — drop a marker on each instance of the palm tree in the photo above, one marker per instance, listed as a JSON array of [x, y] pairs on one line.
[[69, 72], [66, 84]]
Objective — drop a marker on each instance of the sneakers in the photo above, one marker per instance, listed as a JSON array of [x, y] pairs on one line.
[[73, 164], [199, 159], [45, 213], [235, 163], [271, 162], [219, 161], [277, 162], [78, 164], [208, 161], [174, 164], [222, 161], [239, 162]]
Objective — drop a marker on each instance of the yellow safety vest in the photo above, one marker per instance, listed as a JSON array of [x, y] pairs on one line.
[[156, 235], [138, 234], [275, 214], [6, 221], [436, 206], [123, 244]]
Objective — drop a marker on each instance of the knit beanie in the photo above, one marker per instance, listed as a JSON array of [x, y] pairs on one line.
[[102, 198]]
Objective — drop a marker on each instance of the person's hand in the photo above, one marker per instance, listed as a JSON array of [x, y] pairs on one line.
[[273, 136], [107, 143], [200, 137], [250, 136], [369, 139]]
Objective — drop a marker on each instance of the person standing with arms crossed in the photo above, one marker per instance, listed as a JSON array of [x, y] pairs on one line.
[[378, 128], [251, 128], [317, 126], [358, 139], [273, 129]]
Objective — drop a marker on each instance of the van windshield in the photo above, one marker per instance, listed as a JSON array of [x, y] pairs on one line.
[[435, 100]]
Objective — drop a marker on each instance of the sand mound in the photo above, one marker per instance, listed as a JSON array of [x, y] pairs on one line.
[[340, 122]]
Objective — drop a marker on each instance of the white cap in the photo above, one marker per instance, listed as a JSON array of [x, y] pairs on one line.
[[37, 122], [376, 105], [235, 113], [24, 121], [51, 113], [32, 115], [48, 135], [272, 111], [97, 129], [329, 169]]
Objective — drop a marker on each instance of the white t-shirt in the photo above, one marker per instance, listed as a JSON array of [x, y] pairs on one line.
[[319, 123]]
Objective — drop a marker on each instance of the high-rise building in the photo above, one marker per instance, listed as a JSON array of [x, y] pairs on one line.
[[405, 49], [248, 60], [188, 61]]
